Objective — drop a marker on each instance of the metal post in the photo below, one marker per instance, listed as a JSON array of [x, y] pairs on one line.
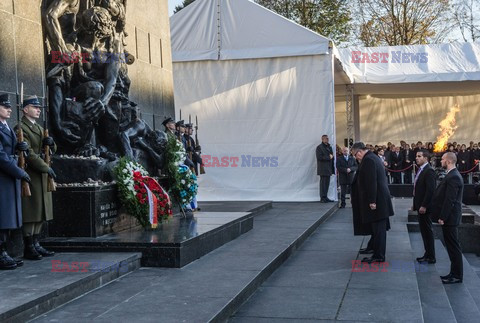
[[349, 114]]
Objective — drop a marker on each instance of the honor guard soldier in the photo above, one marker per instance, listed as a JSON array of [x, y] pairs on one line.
[[169, 125], [10, 178], [192, 148], [37, 208]]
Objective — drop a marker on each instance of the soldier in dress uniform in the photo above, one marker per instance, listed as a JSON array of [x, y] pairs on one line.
[[169, 125], [10, 177], [37, 208], [192, 147]]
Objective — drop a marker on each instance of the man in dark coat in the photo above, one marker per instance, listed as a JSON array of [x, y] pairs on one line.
[[325, 167], [423, 188], [374, 202], [447, 211], [37, 208], [396, 163], [10, 176], [408, 159], [346, 166]]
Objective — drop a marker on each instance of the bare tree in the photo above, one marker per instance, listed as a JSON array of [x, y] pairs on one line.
[[330, 18], [402, 22], [466, 16]]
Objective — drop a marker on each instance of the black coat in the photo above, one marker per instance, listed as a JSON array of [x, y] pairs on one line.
[[424, 188], [10, 175], [359, 228], [345, 178], [396, 162], [410, 156], [447, 199], [463, 161], [325, 166], [372, 187]]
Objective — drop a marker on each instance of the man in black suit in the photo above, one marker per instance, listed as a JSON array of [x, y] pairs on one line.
[[423, 188], [325, 167], [346, 166], [396, 163], [408, 159], [374, 203], [447, 211]]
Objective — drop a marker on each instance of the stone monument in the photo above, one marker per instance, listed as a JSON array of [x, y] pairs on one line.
[[104, 69]]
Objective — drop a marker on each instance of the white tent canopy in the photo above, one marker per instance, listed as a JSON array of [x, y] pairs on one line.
[[405, 91], [225, 30], [262, 88]]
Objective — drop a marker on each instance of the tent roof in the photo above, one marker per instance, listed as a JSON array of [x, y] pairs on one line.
[[238, 29], [412, 71], [451, 62]]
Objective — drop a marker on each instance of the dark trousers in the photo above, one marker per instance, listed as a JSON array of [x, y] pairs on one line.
[[370, 243], [3, 238], [379, 229], [324, 184], [450, 235], [397, 177], [407, 177], [425, 224], [344, 189]]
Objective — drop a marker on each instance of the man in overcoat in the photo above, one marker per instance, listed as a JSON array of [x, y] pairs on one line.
[[10, 177], [325, 167], [346, 166], [37, 208], [374, 202]]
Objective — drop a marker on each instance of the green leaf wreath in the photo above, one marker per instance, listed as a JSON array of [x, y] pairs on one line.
[[183, 182]]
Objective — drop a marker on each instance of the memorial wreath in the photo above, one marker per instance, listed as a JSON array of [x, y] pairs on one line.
[[141, 195], [183, 182]]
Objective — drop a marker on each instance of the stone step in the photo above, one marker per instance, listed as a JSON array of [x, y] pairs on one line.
[[41, 286], [435, 304], [210, 288], [464, 298]]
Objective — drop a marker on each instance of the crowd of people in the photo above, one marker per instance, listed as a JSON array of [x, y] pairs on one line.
[[399, 160], [363, 172]]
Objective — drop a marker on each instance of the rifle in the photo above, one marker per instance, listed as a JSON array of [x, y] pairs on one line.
[[51, 186], [189, 144], [202, 169], [21, 154]]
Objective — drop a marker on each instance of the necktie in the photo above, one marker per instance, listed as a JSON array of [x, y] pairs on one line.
[[416, 178]]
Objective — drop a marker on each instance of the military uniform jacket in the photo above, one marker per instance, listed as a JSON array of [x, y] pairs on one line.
[[10, 175], [38, 207]]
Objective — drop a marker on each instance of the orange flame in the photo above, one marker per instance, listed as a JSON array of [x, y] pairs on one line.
[[447, 129]]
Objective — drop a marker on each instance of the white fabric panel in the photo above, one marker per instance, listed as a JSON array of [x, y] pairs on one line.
[[412, 119], [247, 30], [418, 63], [276, 107], [194, 32]]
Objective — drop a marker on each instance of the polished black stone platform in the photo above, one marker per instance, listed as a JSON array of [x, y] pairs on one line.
[[174, 243], [468, 230], [406, 190]]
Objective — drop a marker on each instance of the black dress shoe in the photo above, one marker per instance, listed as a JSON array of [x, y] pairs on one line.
[[365, 251], [426, 259], [446, 276], [6, 262], [341, 207], [42, 251], [372, 259], [329, 200], [19, 262], [452, 280]]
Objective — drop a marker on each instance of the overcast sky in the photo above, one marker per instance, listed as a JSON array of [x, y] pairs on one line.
[[172, 4]]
